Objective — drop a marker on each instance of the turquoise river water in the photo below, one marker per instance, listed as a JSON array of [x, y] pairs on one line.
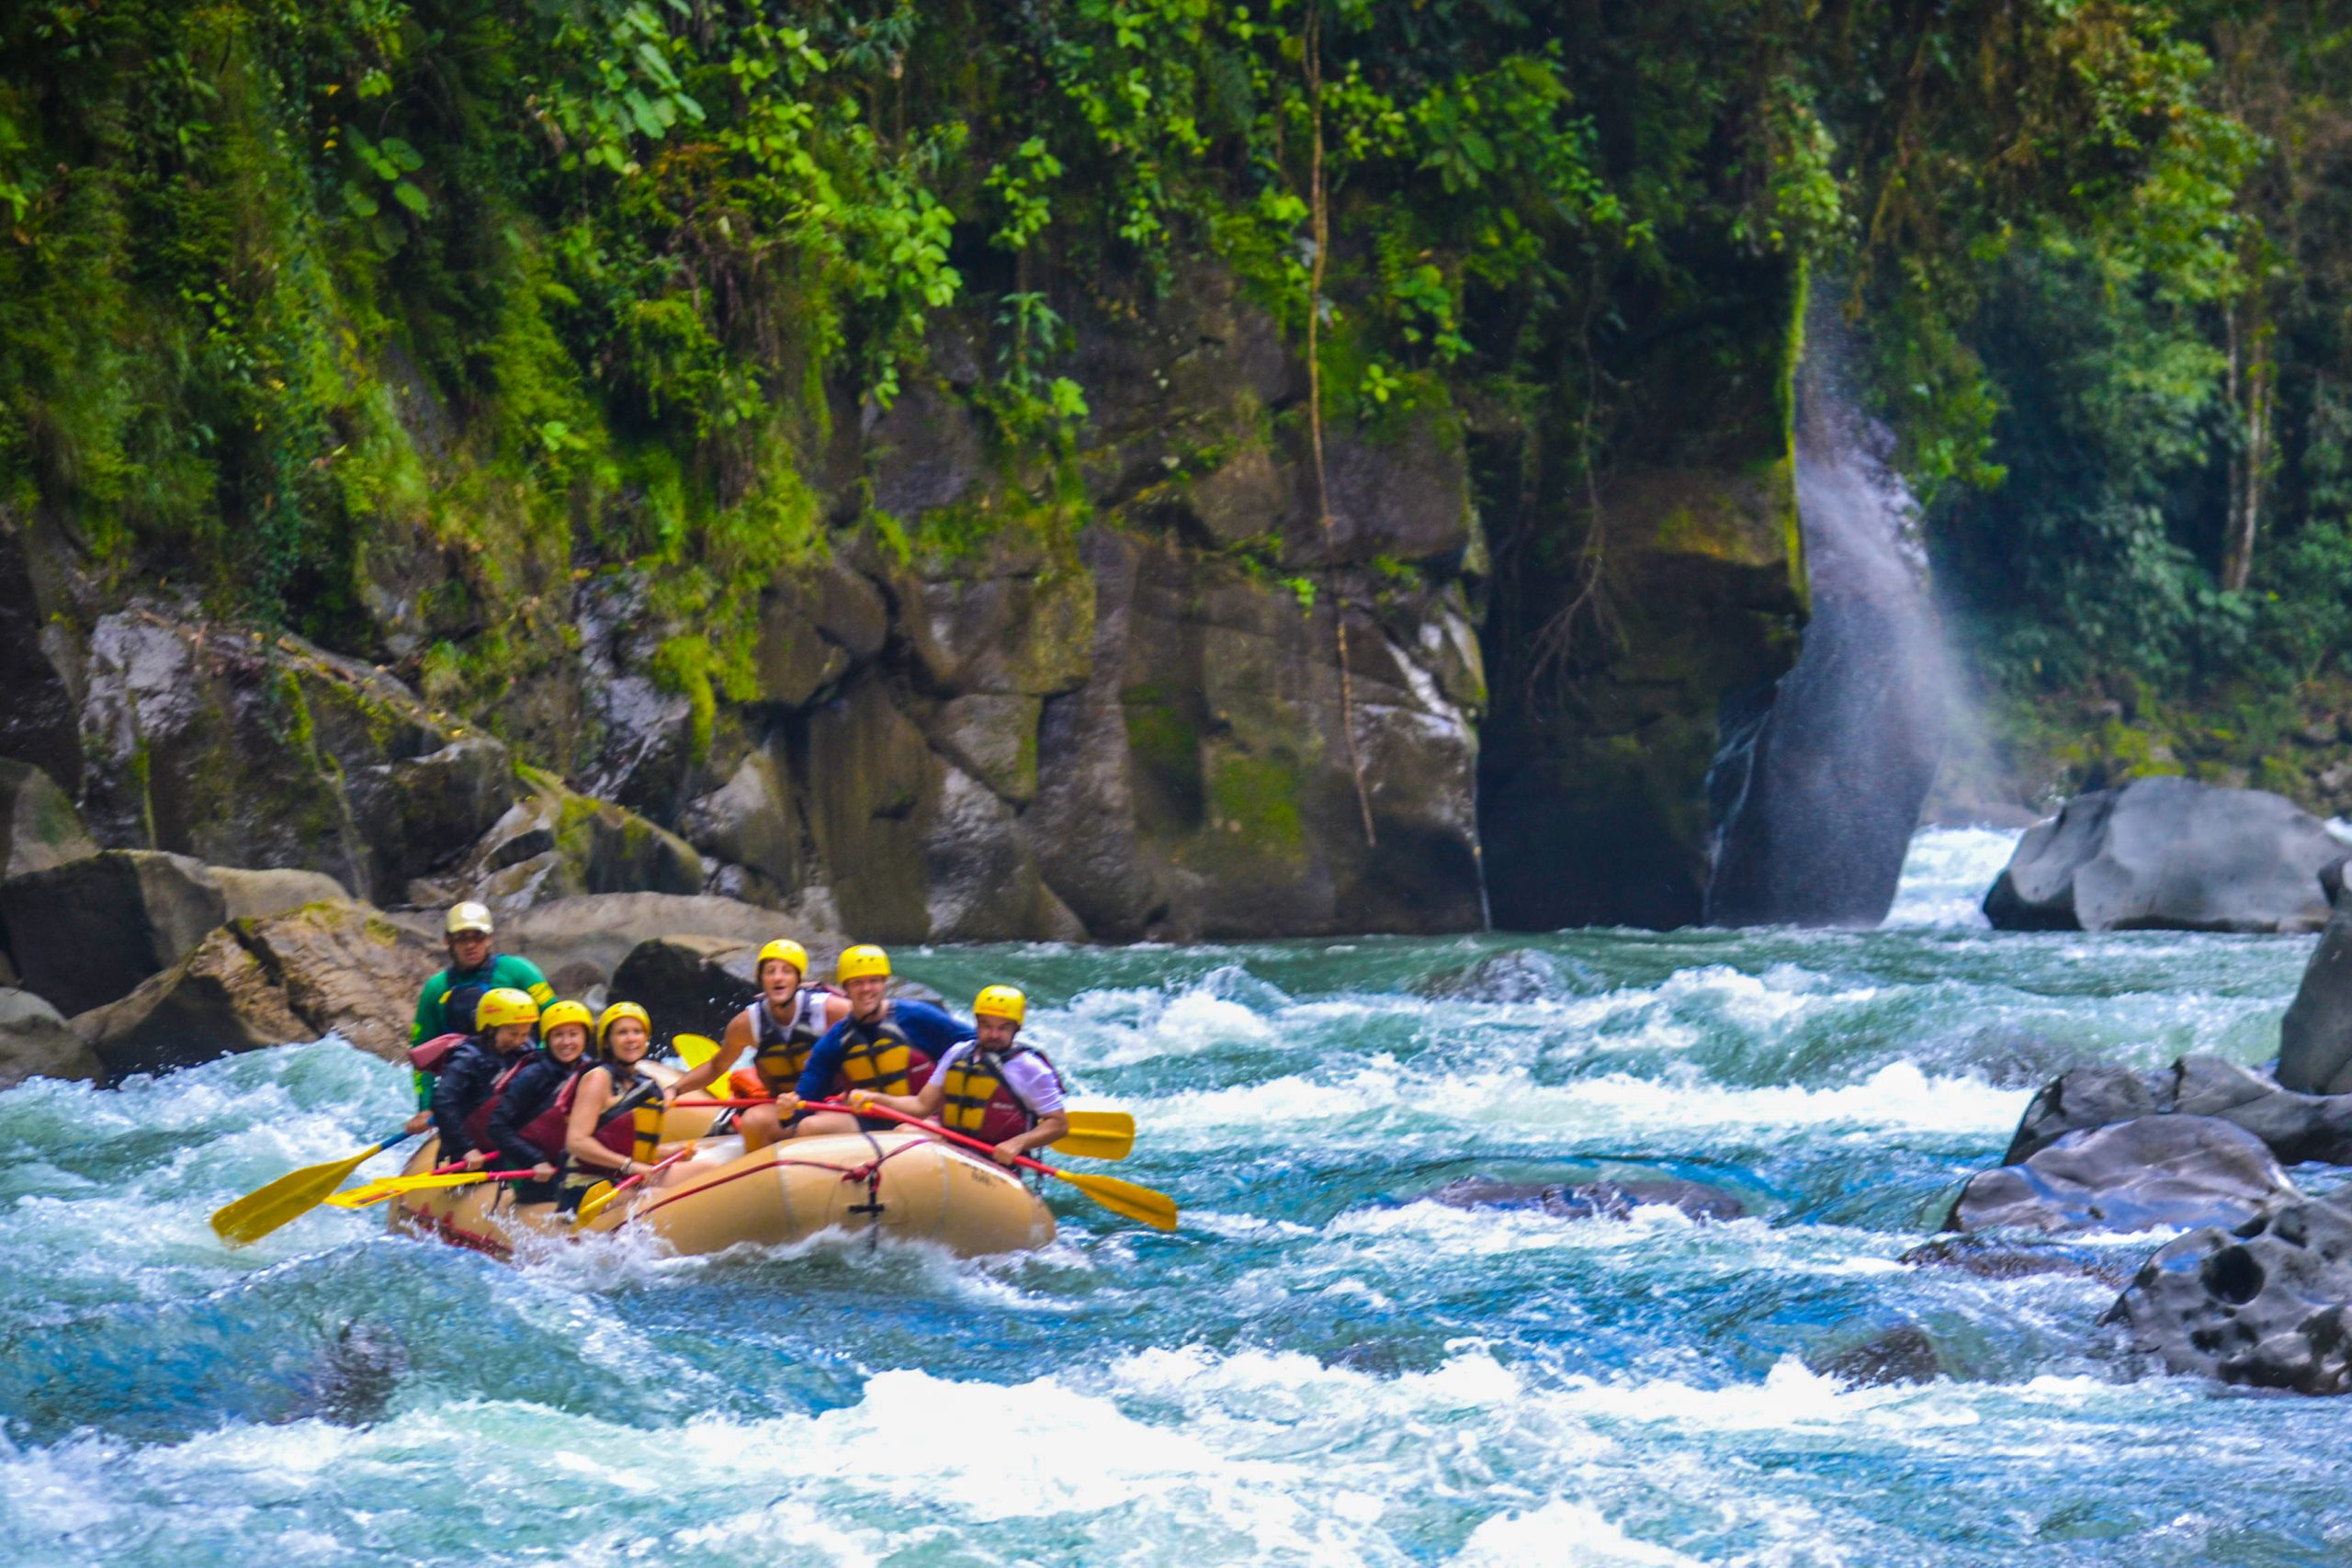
[[1321, 1367]]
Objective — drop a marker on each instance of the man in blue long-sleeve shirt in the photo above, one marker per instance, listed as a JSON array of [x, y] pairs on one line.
[[887, 1046]]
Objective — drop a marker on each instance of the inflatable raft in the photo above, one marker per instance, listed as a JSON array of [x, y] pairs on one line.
[[899, 1185]]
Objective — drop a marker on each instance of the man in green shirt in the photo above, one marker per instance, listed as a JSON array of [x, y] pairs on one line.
[[446, 1004]]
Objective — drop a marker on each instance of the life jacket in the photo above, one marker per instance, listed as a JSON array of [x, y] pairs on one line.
[[982, 1103], [478, 1121], [434, 1054], [463, 997], [779, 1052], [636, 1132], [881, 1057]]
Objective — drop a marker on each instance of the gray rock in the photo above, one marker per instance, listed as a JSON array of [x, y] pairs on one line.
[[816, 625], [249, 894], [2169, 854], [36, 1042], [1408, 498], [1247, 497], [641, 730], [752, 821], [2315, 1037], [556, 843], [217, 1001], [88, 931], [2154, 1172], [39, 663], [420, 814], [1989, 1259], [598, 932], [2295, 1127], [692, 984], [1614, 1199], [994, 739], [38, 827], [1516, 976], [2267, 1303], [924, 453]]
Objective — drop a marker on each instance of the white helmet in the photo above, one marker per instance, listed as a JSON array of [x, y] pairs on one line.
[[468, 918]]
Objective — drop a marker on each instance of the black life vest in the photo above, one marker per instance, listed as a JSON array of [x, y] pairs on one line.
[[780, 1052], [982, 1103], [463, 997], [636, 1132], [478, 1121], [882, 1057]]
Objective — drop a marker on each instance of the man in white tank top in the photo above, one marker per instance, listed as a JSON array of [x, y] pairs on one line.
[[778, 1030]]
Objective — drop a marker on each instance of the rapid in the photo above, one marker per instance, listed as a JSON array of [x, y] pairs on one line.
[[1322, 1366]]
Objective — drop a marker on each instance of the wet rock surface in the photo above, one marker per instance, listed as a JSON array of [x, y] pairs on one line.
[[2315, 1037], [35, 1042], [1989, 1259], [1902, 1355], [2153, 1172], [86, 932], [2295, 1127], [2168, 854], [2267, 1303]]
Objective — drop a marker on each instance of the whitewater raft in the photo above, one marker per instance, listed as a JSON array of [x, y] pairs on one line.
[[902, 1185]]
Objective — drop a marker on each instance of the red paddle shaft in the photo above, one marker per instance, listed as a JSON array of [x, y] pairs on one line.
[[932, 1128]]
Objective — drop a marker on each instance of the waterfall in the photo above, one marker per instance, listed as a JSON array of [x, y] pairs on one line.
[[1819, 777]]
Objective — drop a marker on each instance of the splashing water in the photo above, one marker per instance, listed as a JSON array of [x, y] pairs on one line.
[[1322, 1366]]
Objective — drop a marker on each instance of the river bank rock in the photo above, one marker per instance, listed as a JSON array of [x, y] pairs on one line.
[[1612, 1199], [86, 932], [555, 842], [2295, 1127], [2315, 1037], [2266, 1304], [2153, 1172], [2168, 854], [35, 1042], [331, 966], [690, 982]]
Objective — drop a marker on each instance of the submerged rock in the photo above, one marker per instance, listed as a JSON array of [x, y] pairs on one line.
[[1518, 975], [2153, 1172], [1612, 1200], [2168, 854], [1900, 1355], [1990, 1259], [2266, 1304], [355, 1377]]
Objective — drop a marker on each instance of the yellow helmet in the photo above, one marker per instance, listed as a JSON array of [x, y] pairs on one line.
[[467, 918], [504, 1006], [614, 1014], [562, 1013], [791, 952], [857, 963], [1000, 1001]]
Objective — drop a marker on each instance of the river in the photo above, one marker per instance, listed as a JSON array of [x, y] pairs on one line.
[[1320, 1367]]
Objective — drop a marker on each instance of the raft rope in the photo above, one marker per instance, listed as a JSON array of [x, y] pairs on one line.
[[870, 1173]]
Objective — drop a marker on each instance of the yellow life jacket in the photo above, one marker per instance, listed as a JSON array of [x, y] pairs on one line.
[[881, 1057], [980, 1103], [780, 1052]]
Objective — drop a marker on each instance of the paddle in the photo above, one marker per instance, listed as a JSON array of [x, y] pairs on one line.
[[1093, 1134], [1154, 1209], [600, 1197], [693, 1050], [248, 1219], [377, 1191]]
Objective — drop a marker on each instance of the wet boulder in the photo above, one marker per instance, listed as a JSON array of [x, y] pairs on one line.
[[2164, 1172], [2315, 1037], [255, 895], [2168, 854], [2267, 1303], [217, 1001], [692, 984], [1612, 1199], [2295, 1127], [557, 843], [1989, 1259], [86, 932], [1518, 975], [35, 1042]]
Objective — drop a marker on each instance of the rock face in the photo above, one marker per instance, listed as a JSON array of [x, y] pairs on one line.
[[1816, 797], [2315, 1037], [2267, 1303], [1611, 1199], [2168, 854], [2153, 1172], [2295, 1127], [86, 933], [38, 827], [688, 983]]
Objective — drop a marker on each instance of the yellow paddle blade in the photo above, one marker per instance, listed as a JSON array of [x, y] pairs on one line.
[[693, 1050], [262, 1211], [369, 1192], [1092, 1145], [1098, 1135], [599, 1197], [1155, 1209]]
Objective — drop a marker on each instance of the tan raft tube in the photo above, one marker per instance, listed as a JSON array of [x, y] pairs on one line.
[[901, 1185]]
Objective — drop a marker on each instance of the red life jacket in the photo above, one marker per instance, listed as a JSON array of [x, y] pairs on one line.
[[434, 1054], [478, 1124], [982, 1103], [550, 1129]]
